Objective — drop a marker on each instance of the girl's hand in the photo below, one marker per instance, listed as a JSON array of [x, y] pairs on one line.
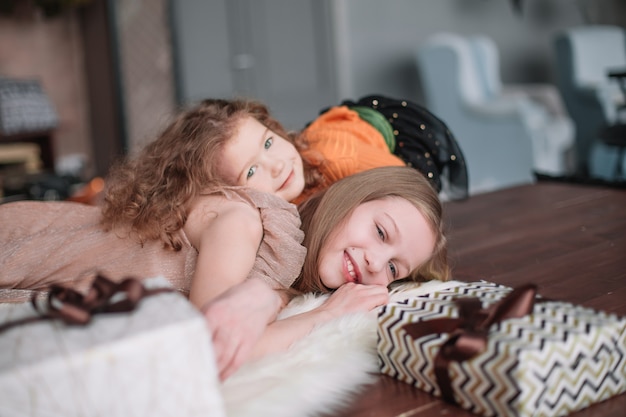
[[237, 319], [351, 298]]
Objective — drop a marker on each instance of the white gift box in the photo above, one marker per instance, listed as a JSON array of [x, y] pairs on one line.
[[156, 361]]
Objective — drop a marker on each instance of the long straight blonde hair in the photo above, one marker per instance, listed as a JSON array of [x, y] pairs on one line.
[[324, 212]]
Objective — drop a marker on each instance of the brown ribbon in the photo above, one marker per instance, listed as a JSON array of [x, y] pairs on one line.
[[104, 296], [468, 334]]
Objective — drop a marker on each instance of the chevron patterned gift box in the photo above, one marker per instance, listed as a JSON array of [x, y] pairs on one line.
[[496, 351]]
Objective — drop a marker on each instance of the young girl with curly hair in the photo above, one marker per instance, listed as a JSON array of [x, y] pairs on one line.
[[372, 132]]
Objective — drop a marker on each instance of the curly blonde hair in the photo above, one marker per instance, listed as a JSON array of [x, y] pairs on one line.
[[322, 213], [148, 196]]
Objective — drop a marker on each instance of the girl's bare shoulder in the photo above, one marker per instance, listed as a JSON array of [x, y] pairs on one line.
[[209, 211]]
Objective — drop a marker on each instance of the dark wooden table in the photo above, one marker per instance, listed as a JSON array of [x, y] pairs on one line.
[[568, 239]]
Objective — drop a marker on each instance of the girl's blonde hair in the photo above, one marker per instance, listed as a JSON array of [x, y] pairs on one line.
[[324, 212], [148, 196]]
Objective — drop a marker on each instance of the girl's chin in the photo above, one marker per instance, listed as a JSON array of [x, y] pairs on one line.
[[331, 286]]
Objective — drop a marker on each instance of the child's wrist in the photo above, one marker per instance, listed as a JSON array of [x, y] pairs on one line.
[[278, 299]]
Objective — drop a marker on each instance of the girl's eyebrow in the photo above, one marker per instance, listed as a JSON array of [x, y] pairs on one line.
[[393, 222], [263, 137]]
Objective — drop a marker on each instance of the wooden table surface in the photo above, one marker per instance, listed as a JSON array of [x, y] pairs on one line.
[[568, 239]]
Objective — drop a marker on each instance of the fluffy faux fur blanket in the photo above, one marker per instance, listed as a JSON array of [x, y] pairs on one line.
[[321, 372]]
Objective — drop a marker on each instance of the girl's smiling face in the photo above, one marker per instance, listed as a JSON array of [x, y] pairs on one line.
[[261, 159], [380, 241]]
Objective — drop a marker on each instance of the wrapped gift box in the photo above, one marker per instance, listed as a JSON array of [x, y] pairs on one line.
[[156, 360], [557, 359]]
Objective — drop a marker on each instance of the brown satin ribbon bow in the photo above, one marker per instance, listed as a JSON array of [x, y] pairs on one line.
[[468, 334], [104, 296]]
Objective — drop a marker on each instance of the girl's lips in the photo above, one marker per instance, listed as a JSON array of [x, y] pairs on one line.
[[350, 269]]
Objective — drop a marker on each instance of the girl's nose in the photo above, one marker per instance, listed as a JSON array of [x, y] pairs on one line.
[[276, 166], [375, 267], [374, 261]]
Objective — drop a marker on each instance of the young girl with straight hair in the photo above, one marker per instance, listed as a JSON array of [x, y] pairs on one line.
[[325, 213]]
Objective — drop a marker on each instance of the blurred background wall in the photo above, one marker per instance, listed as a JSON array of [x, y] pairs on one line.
[[115, 70]]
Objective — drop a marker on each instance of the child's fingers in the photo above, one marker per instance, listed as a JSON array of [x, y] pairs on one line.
[[230, 349], [353, 297]]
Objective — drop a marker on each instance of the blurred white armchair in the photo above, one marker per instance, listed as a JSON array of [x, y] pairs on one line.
[[506, 133], [584, 57]]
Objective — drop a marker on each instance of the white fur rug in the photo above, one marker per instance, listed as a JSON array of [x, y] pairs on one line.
[[321, 372]]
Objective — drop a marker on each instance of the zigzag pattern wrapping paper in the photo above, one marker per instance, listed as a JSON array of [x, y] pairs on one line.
[[559, 359]]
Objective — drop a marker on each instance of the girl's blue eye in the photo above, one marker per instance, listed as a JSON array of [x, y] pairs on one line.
[[268, 143], [392, 267], [381, 234], [251, 172], [394, 271]]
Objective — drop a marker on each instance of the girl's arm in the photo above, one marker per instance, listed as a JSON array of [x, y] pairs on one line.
[[349, 298], [238, 318], [227, 235]]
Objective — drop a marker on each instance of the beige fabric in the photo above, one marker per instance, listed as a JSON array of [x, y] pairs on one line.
[[281, 254], [42, 243]]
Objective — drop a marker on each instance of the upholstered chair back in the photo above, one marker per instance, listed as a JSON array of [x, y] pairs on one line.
[[584, 56], [505, 138]]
